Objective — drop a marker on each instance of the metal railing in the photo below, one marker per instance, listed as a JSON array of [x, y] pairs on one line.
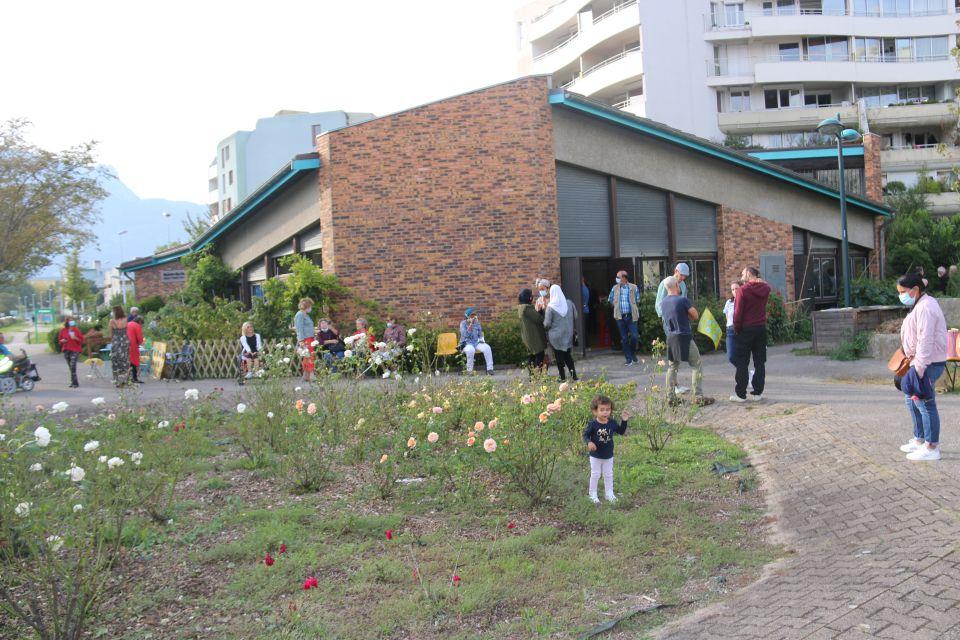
[[836, 105], [741, 20], [610, 60], [547, 12], [564, 43], [615, 10], [744, 66], [628, 102]]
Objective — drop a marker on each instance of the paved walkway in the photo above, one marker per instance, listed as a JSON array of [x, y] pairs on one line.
[[874, 538]]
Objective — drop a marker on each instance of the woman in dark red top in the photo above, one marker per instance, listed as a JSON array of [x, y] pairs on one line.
[[71, 343], [135, 335]]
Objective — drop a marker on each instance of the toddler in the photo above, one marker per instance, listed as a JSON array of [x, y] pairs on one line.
[[599, 438]]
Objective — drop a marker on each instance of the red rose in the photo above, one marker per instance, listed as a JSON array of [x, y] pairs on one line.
[[511, 524], [313, 582], [306, 584], [282, 549], [456, 580], [180, 425], [268, 560], [416, 574], [389, 534]]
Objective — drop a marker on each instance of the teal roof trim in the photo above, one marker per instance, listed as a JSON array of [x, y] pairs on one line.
[[675, 136], [269, 188], [806, 154]]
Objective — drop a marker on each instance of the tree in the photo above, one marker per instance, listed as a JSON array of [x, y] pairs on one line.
[[77, 288], [195, 227], [48, 201], [207, 277]]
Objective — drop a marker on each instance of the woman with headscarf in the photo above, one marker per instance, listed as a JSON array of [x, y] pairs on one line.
[[560, 320], [532, 331]]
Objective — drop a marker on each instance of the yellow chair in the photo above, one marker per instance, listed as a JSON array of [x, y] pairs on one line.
[[447, 344]]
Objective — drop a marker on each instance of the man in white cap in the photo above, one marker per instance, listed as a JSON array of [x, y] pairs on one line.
[[681, 272]]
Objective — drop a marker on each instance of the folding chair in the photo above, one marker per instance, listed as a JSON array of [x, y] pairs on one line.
[[96, 367], [447, 344], [182, 363]]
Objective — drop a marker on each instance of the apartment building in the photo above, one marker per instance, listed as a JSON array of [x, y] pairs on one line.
[[245, 159], [761, 74]]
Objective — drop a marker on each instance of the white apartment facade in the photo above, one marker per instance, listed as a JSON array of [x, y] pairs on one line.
[[763, 73], [246, 159]]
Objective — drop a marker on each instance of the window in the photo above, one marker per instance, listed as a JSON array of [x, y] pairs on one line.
[[858, 267], [705, 278], [919, 140], [739, 100], [733, 14], [878, 96], [787, 7], [256, 290], [653, 272], [914, 95], [935, 48], [229, 204], [782, 98], [231, 177], [826, 48], [824, 277], [817, 98], [316, 257], [789, 51]]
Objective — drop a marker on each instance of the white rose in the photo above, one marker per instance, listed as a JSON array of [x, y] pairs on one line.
[[3, 436], [386, 374], [76, 473], [191, 394], [411, 331], [136, 457], [59, 407], [380, 345], [93, 445], [347, 353], [298, 388], [36, 466], [269, 415], [114, 462], [409, 347], [286, 361], [416, 380], [55, 543], [22, 509], [241, 408], [102, 459], [77, 507], [42, 434], [97, 401], [397, 375], [163, 424], [349, 340]]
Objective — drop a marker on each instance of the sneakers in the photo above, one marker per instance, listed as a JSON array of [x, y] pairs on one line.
[[489, 372], [629, 364], [736, 398], [911, 446], [681, 390], [610, 498], [248, 376], [595, 499], [924, 453], [754, 398]]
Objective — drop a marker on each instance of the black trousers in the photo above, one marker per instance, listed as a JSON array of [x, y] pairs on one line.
[[565, 359], [535, 361], [751, 341], [71, 357]]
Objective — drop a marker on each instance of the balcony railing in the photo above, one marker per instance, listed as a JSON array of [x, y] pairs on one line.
[[603, 16], [741, 19], [600, 65], [547, 12], [744, 66], [836, 105]]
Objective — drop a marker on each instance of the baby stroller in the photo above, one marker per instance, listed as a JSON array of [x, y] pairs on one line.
[[18, 373]]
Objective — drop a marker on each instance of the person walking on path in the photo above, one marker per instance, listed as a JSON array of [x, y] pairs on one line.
[[135, 337], [71, 344], [471, 340], [560, 322], [303, 326], [750, 327], [532, 331], [681, 272], [598, 437], [678, 311], [625, 298], [119, 347], [923, 336]]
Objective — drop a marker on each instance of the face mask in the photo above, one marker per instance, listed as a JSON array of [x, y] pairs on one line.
[[906, 299], [543, 294], [618, 280], [73, 323], [389, 325]]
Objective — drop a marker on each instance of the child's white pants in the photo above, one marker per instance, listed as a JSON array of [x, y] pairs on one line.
[[597, 467]]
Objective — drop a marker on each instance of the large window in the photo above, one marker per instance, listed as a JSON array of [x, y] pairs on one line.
[[824, 277], [702, 282], [789, 51], [925, 93], [733, 14], [858, 267], [878, 96], [814, 98], [832, 48], [739, 100], [782, 98], [935, 48], [653, 271]]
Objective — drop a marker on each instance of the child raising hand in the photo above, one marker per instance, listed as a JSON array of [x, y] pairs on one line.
[[599, 438]]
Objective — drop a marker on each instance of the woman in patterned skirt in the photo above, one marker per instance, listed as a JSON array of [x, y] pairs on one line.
[[119, 347]]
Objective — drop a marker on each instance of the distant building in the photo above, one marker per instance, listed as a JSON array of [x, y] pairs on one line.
[[246, 159]]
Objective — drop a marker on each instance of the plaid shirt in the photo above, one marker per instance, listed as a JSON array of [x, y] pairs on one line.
[[624, 297]]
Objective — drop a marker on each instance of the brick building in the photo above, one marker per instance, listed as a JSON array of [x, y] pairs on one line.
[[463, 201]]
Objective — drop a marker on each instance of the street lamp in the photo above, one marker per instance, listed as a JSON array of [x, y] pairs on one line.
[[834, 128], [123, 288], [167, 216]]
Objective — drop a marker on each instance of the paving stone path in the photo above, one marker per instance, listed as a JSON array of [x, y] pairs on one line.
[[874, 538]]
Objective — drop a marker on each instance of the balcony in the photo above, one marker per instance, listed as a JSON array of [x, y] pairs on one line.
[[637, 105], [621, 68], [617, 20], [553, 18], [943, 204], [938, 115], [912, 158], [830, 68], [791, 22], [788, 119]]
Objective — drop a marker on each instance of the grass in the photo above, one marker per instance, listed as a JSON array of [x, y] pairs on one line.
[[803, 351], [564, 568]]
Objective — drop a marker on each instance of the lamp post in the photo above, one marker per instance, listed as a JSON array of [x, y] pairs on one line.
[[834, 128], [167, 216], [123, 288]]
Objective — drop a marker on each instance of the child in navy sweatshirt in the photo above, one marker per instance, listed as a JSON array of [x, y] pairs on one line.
[[599, 438]]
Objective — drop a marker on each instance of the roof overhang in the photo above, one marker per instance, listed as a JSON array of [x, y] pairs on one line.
[[578, 103]]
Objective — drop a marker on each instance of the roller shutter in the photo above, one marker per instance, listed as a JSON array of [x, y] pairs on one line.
[[311, 240], [257, 273], [821, 242], [798, 235], [583, 207], [642, 219], [696, 226]]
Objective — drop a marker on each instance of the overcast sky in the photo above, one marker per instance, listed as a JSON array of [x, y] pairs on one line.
[[159, 84]]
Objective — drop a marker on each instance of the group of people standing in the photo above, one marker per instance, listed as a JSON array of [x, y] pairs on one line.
[[126, 337], [548, 323]]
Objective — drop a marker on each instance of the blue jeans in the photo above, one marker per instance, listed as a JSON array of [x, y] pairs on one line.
[[731, 346], [628, 337], [923, 413]]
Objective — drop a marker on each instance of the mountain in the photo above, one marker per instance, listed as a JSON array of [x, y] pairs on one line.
[[143, 221]]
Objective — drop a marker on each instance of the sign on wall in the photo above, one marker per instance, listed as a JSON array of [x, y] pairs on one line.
[[173, 276]]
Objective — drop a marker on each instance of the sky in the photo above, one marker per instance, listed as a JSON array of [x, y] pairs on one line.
[[159, 84]]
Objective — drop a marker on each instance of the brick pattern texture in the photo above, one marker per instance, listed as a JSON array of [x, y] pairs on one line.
[[444, 206], [148, 282], [742, 237], [874, 187]]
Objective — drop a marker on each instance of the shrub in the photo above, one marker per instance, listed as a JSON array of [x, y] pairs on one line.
[[867, 292], [852, 348], [149, 304], [197, 320]]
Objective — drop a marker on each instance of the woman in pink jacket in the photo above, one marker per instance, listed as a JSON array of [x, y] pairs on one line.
[[924, 339]]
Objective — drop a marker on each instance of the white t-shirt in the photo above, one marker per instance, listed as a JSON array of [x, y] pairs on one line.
[[728, 311]]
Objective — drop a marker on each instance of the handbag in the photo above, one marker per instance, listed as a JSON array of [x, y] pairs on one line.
[[899, 363]]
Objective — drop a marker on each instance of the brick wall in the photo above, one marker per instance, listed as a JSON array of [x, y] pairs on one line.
[[148, 281], [873, 181], [742, 237], [444, 206]]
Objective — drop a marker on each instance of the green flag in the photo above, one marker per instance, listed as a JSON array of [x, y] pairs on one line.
[[709, 327]]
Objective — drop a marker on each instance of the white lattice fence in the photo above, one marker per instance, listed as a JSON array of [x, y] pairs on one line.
[[218, 358]]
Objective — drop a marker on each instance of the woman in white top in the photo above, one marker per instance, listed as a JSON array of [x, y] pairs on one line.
[[728, 312], [251, 344]]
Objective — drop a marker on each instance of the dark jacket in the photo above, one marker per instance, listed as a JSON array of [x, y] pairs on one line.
[[602, 436], [531, 329], [914, 385], [750, 306]]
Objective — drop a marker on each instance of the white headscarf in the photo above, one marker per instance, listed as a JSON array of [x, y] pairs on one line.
[[558, 301]]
